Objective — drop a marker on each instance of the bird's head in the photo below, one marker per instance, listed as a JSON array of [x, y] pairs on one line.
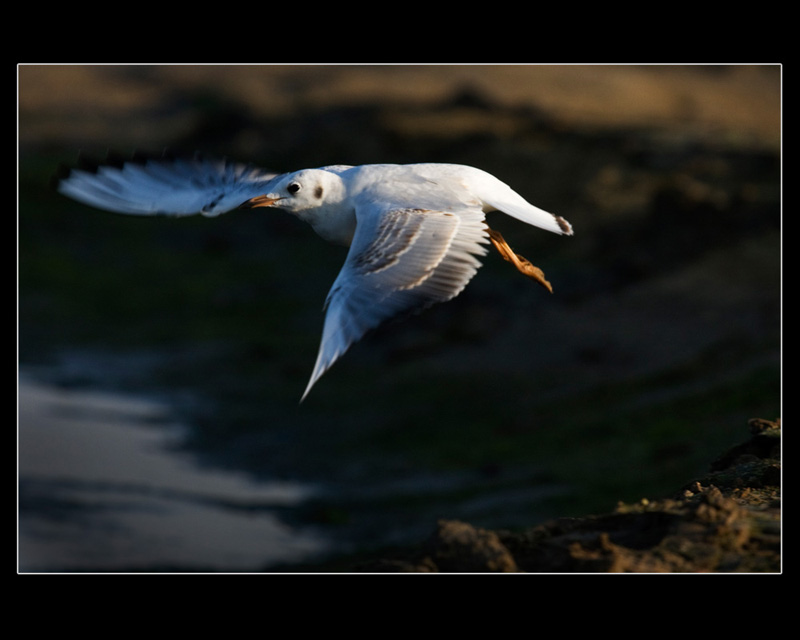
[[300, 191]]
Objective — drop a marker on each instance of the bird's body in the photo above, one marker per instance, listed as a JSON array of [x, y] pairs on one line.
[[414, 231]]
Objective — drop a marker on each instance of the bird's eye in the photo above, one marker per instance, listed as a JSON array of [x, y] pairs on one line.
[[293, 187]]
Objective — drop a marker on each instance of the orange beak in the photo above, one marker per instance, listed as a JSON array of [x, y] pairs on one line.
[[259, 201]]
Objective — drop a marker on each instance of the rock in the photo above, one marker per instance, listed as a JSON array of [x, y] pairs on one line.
[[458, 546], [727, 521]]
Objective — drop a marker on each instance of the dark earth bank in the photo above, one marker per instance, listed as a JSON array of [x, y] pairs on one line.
[[728, 520]]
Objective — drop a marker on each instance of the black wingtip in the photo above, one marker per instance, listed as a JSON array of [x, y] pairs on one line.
[[91, 163], [63, 171]]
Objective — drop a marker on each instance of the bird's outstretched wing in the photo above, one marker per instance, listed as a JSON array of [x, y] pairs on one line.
[[401, 260], [168, 186]]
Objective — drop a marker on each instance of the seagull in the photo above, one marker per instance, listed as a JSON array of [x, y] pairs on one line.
[[414, 231]]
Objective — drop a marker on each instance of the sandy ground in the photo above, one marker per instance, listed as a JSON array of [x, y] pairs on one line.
[[73, 103]]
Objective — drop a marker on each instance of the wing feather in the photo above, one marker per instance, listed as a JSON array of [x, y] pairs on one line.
[[179, 186], [401, 260]]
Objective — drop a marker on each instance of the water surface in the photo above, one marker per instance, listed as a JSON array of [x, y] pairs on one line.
[[102, 488]]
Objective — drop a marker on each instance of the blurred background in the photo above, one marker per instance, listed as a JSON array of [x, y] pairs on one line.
[[161, 361]]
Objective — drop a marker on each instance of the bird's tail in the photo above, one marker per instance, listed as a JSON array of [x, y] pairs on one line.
[[498, 196]]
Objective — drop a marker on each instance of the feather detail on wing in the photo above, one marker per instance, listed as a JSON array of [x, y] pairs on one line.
[[177, 186], [401, 260]]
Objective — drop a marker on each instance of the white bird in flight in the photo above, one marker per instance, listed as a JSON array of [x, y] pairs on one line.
[[414, 231]]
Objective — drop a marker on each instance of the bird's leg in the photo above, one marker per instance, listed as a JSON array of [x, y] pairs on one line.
[[523, 265]]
